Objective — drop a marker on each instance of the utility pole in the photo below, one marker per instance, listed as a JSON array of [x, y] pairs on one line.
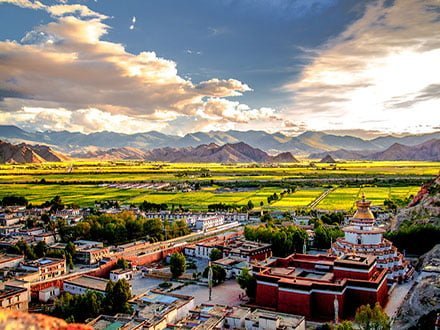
[[210, 275]]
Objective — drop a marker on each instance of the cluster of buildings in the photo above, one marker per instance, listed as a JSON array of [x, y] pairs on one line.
[[156, 310], [357, 270]]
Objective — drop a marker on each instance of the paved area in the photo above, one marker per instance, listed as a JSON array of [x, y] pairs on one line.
[[397, 297], [141, 284], [226, 293]]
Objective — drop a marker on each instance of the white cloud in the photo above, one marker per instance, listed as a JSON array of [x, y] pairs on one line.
[[381, 73], [81, 120], [82, 10], [63, 71], [25, 3]]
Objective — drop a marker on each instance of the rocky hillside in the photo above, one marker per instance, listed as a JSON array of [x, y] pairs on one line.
[[423, 301], [25, 153], [425, 206], [205, 153]]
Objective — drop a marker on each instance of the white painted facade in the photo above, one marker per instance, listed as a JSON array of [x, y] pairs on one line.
[[49, 293]]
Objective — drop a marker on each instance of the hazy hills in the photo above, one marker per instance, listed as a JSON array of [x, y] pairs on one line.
[[429, 150], [25, 153], [303, 144], [205, 153]]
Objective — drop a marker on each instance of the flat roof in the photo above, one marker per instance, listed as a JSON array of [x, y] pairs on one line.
[[239, 312], [89, 282], [43, 262], [106, 322], [286, 320], [9, 290], [121, 271], [9, 257]]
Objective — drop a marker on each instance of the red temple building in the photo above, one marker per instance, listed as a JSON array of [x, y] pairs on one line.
[[316, 286]]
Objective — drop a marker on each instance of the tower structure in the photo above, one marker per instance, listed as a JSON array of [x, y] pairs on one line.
[[363, 237]]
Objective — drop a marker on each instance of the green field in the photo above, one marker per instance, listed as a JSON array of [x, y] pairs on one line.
[[300, 199], [93, 172], [81, 182], [345, 198]]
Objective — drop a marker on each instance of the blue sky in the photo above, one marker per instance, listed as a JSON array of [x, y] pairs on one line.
[[277, 65]]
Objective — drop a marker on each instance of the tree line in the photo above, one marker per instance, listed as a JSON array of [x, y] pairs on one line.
[[122, 227], [285, 240], [415, 238], [78, 308]]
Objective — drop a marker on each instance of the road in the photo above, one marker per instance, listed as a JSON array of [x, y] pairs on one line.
[[226, 293], [398, 295]]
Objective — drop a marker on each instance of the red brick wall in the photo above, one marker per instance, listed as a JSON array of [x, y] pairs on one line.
[[382, 294], [267, 295], [294, 303], [341, 274], [323, 306]]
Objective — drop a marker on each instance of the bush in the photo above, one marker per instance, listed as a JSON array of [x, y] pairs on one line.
[[218, 274]]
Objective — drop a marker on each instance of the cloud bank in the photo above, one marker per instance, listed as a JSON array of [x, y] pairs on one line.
[[64, 75], [382, 72]]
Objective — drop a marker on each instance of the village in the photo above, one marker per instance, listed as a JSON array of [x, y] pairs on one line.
[[302, 290]]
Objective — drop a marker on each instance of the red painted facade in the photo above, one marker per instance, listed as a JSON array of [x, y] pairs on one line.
[[308, 285]]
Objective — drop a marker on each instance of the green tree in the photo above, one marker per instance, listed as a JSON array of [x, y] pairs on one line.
[[325, 234], [375, 318], [215, 254], [344, 325], [250, 205], [14, 200], [154, 229], [23, 248], [121, 263], [247, 282], [89, 305], [69, 252], [218, 274], [117, 296], [266, 217], [177, 264], [78, 308], [40, 249], [70, 249]]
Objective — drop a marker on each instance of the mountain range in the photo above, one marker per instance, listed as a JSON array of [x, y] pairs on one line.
[[25, 153], [303, 144], [205, 153], [429, 150]]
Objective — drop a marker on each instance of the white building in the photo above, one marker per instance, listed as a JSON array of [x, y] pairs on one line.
[[81, 284], [261, 319], [9, 219], [121, 274], [47, 268], [204, 223], [48, 294]]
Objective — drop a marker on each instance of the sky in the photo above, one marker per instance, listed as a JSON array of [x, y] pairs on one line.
[[347, 66]]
